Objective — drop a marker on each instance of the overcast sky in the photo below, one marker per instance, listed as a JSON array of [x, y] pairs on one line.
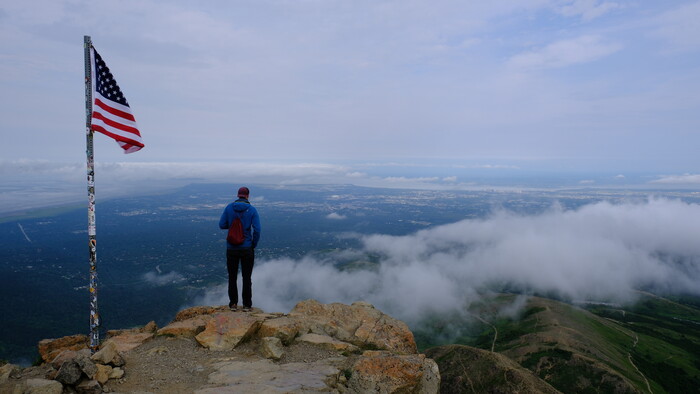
[[592, 83]]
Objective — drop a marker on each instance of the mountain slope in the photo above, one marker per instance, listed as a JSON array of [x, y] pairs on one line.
[[464, 369]]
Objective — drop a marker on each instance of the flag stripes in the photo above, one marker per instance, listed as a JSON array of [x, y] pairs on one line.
[[111, 114]]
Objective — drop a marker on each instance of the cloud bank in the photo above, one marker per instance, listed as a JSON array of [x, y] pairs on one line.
[[601, 251], [157, 279]]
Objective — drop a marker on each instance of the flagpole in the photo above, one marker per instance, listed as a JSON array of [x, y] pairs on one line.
[[92, 242]]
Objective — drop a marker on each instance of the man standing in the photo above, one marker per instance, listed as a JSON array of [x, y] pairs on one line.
[[244, 252]]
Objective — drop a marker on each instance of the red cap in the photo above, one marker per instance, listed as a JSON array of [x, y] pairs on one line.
[[243, 192]]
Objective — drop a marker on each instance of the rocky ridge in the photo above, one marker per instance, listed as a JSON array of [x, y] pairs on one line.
[[315, 348]]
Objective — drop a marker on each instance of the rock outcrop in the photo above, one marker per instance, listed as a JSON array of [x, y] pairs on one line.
[[315, 348]]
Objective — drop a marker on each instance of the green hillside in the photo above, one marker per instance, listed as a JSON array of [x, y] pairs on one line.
[[650, 346], [668, 351]]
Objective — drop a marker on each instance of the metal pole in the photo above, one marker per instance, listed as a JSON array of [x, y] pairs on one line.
[[92, 242]]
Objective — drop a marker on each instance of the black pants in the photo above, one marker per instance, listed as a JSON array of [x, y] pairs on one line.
[[246, 257]]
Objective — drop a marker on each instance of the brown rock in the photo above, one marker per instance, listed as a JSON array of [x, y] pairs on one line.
[[130, 340], [86, 365], [151, 327], [41, 386], [195, 311], [284, 328], [116, 373], [103, 372], [271, 347], [327, 342], [226, 330], [89, 387], [360, 324], [68, 355], [69, 373], [383, 372], [108, 354], [50, 348], [336, 320], [6, 371], [185, 328], [387, 333]]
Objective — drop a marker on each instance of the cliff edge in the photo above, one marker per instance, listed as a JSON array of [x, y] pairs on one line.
[[315, 348]]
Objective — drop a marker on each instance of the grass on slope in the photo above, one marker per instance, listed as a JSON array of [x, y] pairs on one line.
[[668, 350]]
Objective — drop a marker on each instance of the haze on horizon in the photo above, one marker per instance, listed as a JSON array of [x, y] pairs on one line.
[[581, 85]]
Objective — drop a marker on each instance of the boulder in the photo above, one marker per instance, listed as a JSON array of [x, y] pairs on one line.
[[336, 320], [68, 355], [6, 371], [195, 311], [360, 324], [271, 347], [384, 372], [86, 365], [387, 333], [150, 327], [89, 387], [284, 328], [226, 330], [130, 340], [185, 328], [50, 348], [108, 354], [327, 342], [69, 373], [116, 373], [42, 386], [103, 372]]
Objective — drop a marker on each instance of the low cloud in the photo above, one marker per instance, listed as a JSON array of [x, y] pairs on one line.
[[601, 251], [160, 280], [678, 179], [335, 216]]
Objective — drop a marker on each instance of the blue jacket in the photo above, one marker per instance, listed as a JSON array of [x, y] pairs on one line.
[[249, 218]]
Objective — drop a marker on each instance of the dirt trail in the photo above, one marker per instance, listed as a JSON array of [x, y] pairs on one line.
[[495, 331], [629, 356]]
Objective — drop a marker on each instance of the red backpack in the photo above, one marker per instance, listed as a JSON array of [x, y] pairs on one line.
[[235, 232]]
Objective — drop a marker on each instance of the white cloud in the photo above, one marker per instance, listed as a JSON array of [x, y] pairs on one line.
[[586, 182], [678, 179], [335, 216], [563, 53], [587, 9], [156, 279], [601, 251]]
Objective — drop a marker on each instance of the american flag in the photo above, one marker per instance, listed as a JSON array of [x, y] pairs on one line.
[[111, 114]]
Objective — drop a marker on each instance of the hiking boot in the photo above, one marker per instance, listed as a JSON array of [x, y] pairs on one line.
[[247, 308], [233, 307]]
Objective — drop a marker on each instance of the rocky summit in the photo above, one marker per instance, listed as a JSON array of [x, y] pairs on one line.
[[317, 347]]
